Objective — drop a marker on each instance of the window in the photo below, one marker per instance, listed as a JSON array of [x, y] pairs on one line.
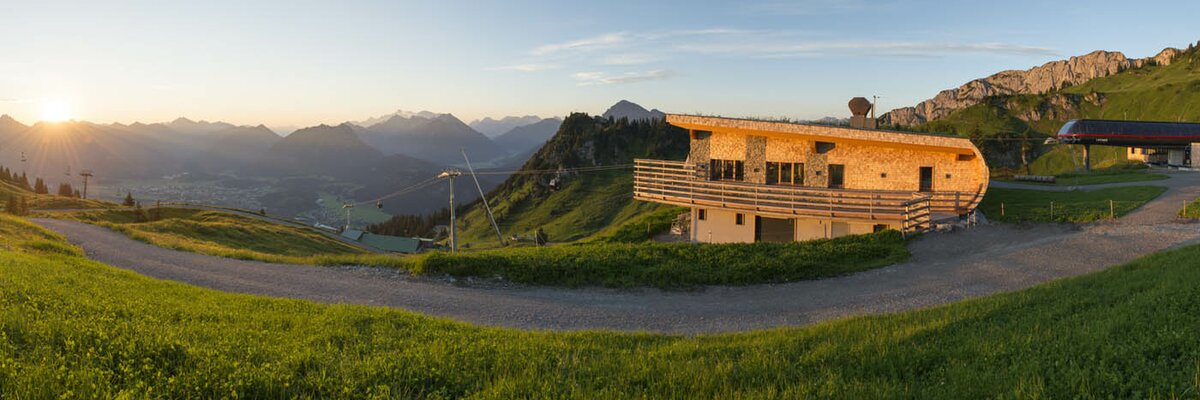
[[731, 170], [701, 214], [739, 219], [783, 173], [879, 228], [837, 176], [824, 147]]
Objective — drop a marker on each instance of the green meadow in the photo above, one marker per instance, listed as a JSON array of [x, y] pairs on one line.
[[70, 327]]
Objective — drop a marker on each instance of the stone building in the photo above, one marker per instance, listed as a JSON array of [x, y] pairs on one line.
[[751, 180]]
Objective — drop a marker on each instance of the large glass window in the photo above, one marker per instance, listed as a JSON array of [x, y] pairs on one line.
[[731, 170], [784, 173]]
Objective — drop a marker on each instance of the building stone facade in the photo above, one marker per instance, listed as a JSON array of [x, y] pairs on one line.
[[873, 163]]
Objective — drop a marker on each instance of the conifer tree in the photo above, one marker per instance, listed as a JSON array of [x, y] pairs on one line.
[[129, 202], [11, 206], [40, 187], [65, 190]]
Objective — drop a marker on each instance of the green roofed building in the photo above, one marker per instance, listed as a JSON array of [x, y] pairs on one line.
[[395, 244], [353, 234]]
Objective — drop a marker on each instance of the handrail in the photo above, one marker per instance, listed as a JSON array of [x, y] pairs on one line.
[[680, 183]]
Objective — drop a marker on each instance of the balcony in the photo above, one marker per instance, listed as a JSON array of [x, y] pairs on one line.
[[679, 183]]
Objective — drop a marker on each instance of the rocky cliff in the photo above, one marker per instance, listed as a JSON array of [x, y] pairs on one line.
[[1051, 76]]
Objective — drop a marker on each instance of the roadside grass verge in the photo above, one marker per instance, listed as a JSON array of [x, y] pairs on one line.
[[1108, 176], [72, 326], [1075, 206], [1190, 210], [672, 265], [1116, 175]]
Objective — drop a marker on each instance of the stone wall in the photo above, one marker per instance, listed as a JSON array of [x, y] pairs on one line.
[[756, 159], [866, 166]]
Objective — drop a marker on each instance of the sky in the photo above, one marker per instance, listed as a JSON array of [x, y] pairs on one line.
[[301, 63]]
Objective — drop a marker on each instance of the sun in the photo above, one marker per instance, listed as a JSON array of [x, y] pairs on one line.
[[56, 111]]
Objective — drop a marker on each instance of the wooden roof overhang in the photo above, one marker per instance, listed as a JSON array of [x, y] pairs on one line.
[[826, 133]]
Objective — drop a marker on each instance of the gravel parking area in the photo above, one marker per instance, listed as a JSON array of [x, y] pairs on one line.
[[945, 267]]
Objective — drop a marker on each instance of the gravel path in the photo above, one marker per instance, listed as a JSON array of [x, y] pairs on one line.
[[945, 267]]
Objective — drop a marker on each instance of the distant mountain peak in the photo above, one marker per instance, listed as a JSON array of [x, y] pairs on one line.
[[493, 127], [10, 125], [185, 125], [399, 113], [632, 111], [1048, 77]]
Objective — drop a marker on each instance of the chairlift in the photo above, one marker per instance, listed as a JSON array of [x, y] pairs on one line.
[[554, 184], [379, 205]]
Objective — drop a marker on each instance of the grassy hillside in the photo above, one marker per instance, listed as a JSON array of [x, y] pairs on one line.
[[587, 202], [70, 325], [1150, 93], [7, 189], [217, 233], [45, 201]]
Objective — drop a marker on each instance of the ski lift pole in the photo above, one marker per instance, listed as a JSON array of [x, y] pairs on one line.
[[450, 174], [483, 197]]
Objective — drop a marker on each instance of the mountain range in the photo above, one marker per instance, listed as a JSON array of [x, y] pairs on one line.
[[527, 137], [440, 138], [495, 127], [1048, 77], [393, 152], [1009, 114]]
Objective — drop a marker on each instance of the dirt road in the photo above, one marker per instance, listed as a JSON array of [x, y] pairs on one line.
[[945, 268]]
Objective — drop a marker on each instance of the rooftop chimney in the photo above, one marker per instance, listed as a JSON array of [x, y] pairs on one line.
[[859, 107]]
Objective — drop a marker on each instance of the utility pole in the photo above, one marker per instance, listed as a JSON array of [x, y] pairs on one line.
[[86, 174], [347, 207], [874, 101], [451, 173]]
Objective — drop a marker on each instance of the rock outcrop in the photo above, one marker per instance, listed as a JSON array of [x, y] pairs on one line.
[[1051, 76]]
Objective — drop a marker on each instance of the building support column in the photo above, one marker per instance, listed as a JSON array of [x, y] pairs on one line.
[[1087, 158], [695, 234]]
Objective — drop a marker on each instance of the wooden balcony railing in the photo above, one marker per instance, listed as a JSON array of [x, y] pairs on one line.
[[678, 183]]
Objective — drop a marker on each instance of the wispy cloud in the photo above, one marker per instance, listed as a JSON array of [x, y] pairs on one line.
[[531, 67], [810, 7], [603, 55], [775, 48], [604, 78], [595, 42], [630, 59]]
